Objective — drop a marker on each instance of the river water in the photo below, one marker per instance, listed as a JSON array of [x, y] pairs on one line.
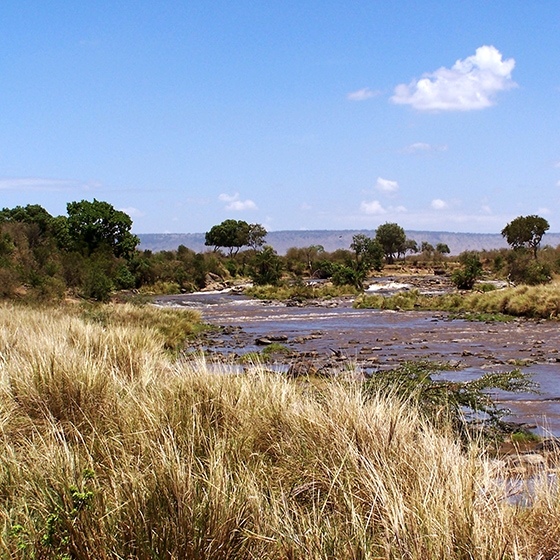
[[376, 340]]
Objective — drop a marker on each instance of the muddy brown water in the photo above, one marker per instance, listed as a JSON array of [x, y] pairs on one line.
[[376, 339]]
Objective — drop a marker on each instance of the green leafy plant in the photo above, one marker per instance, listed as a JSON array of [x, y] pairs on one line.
[[470, 272], [467, 404]]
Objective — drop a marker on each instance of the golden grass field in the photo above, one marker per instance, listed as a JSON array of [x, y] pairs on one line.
[[115, 448]]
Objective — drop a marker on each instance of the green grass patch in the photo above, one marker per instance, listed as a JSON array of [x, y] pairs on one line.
[[520, 438], [275, 348]]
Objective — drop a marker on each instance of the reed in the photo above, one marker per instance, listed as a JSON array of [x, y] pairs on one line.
[[111, 447]]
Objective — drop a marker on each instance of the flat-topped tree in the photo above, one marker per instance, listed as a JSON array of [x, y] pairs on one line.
[[231, 234], [526, 231]]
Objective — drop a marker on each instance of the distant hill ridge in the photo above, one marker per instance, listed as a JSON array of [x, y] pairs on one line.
[[338, 239]]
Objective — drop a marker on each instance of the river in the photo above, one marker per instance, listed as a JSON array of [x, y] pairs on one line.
[[375, 340]]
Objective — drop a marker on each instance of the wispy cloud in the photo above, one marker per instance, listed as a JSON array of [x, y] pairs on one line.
[[42, 184], [235, 204], [470, 84], [362, 94], [420, 148], [386, 186]]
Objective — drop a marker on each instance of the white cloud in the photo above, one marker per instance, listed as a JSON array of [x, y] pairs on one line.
[[372, 207], [558, 184], [362, 94], [544, 211], [375, 207], [385, 185], [470, 84], [133, 212], [240, 205], [438, 204], [423, 148], [236, 204]]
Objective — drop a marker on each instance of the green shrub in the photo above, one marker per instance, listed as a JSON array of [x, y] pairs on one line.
[[471, 271]]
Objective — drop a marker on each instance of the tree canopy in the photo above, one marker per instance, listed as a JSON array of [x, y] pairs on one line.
[[234, 234], [526, 231], [392, 239], [95, 225], [368, 253]]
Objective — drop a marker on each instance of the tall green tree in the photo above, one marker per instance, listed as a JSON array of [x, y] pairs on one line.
[[368, 253], [98, 225], [392, 238], [526, 231]]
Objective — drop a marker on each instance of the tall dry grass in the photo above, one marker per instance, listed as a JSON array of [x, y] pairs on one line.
[[110, 448], [542, 301]]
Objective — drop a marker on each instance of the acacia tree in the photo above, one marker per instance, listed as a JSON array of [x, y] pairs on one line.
[[526, 231], [392, 238], [232, 234], [409, 246]]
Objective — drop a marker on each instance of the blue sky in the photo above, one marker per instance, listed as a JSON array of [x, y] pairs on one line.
[[300, 114]]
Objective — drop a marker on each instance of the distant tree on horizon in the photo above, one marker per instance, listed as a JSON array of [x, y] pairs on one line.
[[526, 231]]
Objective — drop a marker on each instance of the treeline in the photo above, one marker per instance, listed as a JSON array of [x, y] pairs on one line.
[[91, 253]]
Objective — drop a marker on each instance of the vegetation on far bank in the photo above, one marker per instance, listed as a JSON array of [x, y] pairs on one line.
[[112, 447], [537, 302], [91, 253]]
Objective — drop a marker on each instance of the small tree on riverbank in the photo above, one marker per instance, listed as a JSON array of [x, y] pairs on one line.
[[470, 272]]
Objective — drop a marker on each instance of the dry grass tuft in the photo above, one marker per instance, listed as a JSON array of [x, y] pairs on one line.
[[110, 448]]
